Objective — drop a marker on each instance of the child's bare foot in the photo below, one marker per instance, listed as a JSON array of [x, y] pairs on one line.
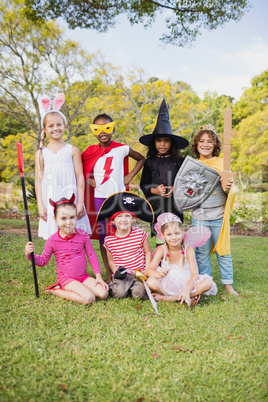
[[195, 300], [50, 289], [54, 291], [231, 290], [159, 297]]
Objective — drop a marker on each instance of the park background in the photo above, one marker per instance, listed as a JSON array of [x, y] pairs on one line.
[[53, 350]]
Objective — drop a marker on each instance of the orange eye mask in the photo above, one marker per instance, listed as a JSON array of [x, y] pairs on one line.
[[98, 128]]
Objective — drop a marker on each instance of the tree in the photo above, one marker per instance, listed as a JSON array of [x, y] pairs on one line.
[[8, 157], [9, 126], [184, 21], [253, 99], [250, 148], [37, 60]]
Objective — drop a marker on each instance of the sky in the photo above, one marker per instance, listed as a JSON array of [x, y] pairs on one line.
[[222, 61]]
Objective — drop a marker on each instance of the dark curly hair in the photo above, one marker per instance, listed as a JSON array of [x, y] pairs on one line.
[[212, 135], [103, 116], [174, 149]]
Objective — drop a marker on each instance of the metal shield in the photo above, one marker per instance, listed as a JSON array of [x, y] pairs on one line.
[[193, 184]]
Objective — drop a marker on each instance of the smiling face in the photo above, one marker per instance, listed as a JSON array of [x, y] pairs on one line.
[[104, 139], [205, 146], [172, 234], [66, 218], [124, 221], [162, 145], [54, 126]]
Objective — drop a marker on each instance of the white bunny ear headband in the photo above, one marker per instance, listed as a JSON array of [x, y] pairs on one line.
[[56, 105]]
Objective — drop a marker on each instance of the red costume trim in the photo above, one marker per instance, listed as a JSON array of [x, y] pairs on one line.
[[89, 158]]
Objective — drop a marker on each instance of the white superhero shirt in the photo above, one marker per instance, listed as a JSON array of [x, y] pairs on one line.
[[109, 172]]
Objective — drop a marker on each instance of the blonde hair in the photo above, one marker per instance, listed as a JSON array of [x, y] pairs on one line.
[[42, 143], [170, 225]]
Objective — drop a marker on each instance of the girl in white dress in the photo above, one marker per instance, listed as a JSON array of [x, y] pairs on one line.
[[58, 170], [173, 272]]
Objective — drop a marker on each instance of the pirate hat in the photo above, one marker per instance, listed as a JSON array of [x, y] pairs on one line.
[[126, 201], [163, 129]]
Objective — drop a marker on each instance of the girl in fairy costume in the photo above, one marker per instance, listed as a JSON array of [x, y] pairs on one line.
[[173, 272]]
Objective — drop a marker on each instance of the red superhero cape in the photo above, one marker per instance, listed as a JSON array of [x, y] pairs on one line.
[[89, 159]]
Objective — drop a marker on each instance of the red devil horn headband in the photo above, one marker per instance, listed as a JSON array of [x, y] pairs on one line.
[[64, 201]]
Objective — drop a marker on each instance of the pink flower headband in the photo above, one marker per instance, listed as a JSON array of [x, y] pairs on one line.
[[162, 220], [57, 104]]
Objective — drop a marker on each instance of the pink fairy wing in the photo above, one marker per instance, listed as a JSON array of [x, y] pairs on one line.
[[197, 236], [157, 228], [58, 101], [45, 102]]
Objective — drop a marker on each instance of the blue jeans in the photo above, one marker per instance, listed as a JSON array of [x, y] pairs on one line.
[[202, 253]]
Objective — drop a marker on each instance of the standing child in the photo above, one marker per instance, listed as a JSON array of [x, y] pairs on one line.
[[177, 279], [128, 248], [162, 164], [106, 172], [58, 170], [206, 146], [69, 246]]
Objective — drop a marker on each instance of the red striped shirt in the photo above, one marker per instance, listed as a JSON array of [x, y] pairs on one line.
[[128, 251]]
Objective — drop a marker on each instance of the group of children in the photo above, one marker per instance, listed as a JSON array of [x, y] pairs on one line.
[[82, 197]]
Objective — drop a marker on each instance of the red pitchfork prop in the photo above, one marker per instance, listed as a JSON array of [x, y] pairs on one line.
[[21, 168]]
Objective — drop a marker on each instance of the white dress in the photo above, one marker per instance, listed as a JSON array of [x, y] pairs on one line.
[[174, 283], [59, 181]]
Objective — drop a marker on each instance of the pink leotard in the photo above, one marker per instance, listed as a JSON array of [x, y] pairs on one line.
[[70, 255]]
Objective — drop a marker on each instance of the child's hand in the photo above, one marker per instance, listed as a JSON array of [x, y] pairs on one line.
[[92, 182], [185, 297], [163, 273], [29, 248], [228, 185], [127, 178], [169, 191], [100, 281], [160, 190], [80, 210], [42, 212]]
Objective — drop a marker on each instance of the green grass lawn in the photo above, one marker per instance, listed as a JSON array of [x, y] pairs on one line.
[[119, 350], [15, 224]]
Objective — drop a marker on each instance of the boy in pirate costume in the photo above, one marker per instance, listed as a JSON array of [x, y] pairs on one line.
[[128, 248]]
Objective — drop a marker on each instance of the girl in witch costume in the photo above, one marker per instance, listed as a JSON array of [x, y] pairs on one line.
[[127, 247], [173, 272], [162, 164], [58, 170], [106, 172], [69, 246], [206, 146]]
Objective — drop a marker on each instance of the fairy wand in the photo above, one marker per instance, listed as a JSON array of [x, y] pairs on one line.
[[21, 169]]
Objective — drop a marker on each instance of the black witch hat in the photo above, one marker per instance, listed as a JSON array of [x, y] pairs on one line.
[[163, 129]]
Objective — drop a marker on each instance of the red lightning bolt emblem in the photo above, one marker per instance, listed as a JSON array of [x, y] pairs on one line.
[[107, 168]]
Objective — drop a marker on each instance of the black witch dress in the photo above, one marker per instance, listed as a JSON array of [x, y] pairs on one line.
[[160, 170]]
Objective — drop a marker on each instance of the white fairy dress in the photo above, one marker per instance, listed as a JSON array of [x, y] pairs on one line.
[[59, 181], [174, 283]]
